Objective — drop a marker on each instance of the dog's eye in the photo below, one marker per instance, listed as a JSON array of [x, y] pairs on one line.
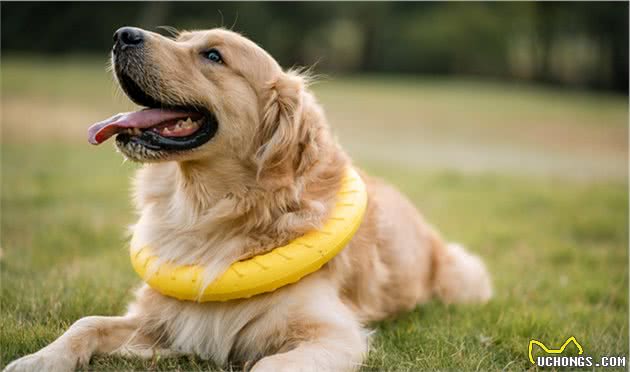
[[213, 55]]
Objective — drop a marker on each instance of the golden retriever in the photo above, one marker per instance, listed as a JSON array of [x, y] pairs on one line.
[[239, 159]]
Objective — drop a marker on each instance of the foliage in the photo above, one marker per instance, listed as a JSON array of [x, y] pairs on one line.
[[580, 44]]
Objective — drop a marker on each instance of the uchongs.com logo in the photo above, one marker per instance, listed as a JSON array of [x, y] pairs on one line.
[[553, 357]]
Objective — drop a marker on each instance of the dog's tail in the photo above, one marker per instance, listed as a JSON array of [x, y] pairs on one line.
[[460, 276]]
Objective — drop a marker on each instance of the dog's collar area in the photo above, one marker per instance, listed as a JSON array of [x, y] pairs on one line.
[[267, 272]]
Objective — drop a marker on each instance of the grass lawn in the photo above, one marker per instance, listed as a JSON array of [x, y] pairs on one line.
[[538, 188]]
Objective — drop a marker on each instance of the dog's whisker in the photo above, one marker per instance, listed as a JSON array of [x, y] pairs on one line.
[[221, 13], [172, 31], [235, 20]]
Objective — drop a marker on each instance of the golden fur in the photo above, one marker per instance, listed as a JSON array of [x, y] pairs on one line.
[[270, 174]]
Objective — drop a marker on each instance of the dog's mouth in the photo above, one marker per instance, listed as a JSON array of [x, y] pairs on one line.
[[158, 127]]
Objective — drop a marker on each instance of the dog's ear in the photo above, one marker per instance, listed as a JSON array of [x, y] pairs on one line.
[[284, 140]]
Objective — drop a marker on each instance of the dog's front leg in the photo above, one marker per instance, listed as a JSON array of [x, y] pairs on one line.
[[339, 352], [86, 337], [338, 343]]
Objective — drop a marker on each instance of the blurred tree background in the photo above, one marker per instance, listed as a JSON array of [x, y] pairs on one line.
[[581, 44]]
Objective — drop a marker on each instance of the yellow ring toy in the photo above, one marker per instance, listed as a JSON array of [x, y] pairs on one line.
[[270, 271]]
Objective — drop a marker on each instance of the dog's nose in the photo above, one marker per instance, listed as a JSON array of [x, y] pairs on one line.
[[129, 36]]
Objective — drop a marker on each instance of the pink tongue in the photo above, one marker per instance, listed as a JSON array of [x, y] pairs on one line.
[[101, 131]]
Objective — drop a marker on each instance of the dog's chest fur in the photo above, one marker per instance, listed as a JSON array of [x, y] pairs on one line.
[[238, 330]]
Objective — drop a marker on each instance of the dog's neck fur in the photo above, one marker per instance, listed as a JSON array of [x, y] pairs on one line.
[[213, 214]]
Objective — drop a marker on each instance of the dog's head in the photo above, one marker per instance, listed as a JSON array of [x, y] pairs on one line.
[[206, 94]]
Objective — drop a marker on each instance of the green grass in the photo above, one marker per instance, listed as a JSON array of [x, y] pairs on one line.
[[556, 247]]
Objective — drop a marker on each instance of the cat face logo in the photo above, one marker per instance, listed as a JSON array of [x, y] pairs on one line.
[[553, 351]]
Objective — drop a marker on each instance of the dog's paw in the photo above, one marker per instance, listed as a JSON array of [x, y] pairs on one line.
[[43, 360], [281, 363]]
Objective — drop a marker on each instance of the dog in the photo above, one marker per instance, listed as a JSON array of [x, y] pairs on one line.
[[238, 159]]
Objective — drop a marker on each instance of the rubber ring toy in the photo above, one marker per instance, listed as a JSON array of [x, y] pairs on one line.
[[266, 272]]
